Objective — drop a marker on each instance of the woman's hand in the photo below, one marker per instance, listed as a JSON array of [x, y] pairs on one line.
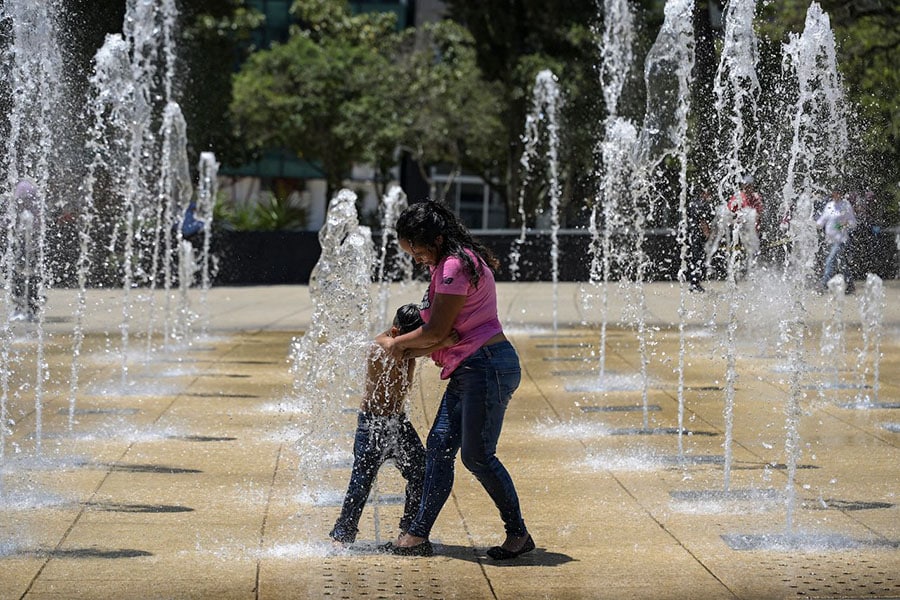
[[393, 349]]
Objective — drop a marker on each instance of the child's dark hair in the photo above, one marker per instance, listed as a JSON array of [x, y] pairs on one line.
[[423, 222], [408, 318]]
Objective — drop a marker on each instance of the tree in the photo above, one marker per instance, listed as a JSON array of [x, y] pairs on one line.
[[321, 94], [448, 113], [348, 89], [516, 39], [215, 38]]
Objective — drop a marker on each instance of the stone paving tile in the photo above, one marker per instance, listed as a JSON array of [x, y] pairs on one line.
[[190, 483]]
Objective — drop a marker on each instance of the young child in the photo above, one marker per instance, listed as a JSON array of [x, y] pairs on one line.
[[383, 431]]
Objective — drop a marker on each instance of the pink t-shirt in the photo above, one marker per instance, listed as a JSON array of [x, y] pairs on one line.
[[477, 322]]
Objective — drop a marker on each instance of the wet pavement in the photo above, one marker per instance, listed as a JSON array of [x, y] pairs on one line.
[[184, 478]]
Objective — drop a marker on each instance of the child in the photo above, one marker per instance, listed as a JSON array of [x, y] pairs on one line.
[[383, 430]]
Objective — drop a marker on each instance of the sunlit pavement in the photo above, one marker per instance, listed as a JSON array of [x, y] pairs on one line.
[[181, 479]]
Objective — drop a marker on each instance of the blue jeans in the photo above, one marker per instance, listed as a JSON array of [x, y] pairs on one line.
[[835, 259], [470, 418], [378, 439]]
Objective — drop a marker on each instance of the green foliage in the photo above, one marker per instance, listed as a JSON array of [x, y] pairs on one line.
[[322, 94], [274, 212], [347, 88], [514, 40], [331, 19], [447, 112], [868, 40], [215, 35]]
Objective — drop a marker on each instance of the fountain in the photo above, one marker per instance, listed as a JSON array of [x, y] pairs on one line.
[[207, 190], [616, 58], [393, 263], [631, 161], [832, 345], [33, 68], [666, 75], [328, 361], [542, 128], [811, 57], [736, 90], [129, 205], [871, 312]]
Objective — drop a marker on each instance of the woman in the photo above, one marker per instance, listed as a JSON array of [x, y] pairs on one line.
[[482, 368]]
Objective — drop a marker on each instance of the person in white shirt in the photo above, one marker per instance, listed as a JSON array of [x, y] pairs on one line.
[[837, 218], [25, 275]]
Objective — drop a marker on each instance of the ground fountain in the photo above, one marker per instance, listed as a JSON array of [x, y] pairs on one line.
[[811, 61], [811, 161], [33, 72], [207, 191], [819, 104], [663, 134], [542, 131], [125, 215], [328, 361], [393, 263], [871, 312], [617, 55], [832, 345], [736, 90]]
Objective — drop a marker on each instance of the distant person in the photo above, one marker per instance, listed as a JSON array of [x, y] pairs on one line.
[[191, 226], [699, 217], [736, 224], [25, 276], [747, 197], [837, 218], [383, 431]]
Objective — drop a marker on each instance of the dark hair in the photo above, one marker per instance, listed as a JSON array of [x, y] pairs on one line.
[[423, 222], [408, 318]]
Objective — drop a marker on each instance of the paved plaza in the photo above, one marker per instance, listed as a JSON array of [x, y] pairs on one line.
[[180, 474]]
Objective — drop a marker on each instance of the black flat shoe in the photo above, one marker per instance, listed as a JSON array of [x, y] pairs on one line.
[[501, 553], [423, 549]]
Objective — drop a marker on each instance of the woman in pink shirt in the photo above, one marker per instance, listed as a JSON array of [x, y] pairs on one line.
[[482, 368]]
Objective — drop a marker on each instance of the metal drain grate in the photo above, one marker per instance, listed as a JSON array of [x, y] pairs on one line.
[[373, 578], [828, 577], [620, 408]]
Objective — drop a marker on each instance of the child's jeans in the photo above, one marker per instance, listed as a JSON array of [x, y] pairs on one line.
[[378, 439]]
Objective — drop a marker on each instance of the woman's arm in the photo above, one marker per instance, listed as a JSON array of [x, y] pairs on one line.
[[450, 340], [386, 341], [444, 310]]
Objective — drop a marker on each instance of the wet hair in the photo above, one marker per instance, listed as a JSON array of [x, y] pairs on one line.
[[423, 222], [408, 318]]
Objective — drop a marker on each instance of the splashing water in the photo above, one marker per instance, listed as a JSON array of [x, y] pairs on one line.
[[819, 146], [176, 190], [616, 52], [33, 68], [207, 191], [328, 362], [401, 265], [667, 73], [832, 346], [871, 312], [110, 114], [122, 185], [542, 127], [736, 90]]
